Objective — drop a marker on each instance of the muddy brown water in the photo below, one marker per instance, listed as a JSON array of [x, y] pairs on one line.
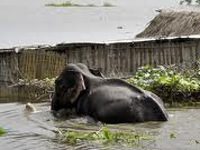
[[37, 130]]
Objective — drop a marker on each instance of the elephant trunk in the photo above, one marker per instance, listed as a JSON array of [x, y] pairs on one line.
[[54, 104]]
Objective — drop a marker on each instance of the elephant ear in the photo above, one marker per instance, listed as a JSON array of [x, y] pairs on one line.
[[97, 72], [78, 86], [72, 83]]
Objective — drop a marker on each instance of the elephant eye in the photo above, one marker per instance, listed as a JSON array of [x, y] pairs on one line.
[[62, 86], [57, 81], [58, 84]]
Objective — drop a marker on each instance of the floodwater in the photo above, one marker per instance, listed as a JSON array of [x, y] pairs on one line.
[[37, 130], [29, 22]]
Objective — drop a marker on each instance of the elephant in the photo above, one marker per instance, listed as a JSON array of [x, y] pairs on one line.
[[108, 100]]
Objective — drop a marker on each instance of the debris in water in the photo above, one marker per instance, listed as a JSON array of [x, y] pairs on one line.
[[30, 107]]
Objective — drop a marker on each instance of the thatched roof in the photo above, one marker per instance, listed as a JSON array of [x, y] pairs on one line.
[[173, 23]]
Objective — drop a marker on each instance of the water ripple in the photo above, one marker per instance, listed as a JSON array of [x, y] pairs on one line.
[[38, 130]]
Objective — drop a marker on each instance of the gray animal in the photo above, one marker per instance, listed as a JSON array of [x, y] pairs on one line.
[[105, 100]]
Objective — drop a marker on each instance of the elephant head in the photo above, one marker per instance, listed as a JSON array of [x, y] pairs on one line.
[[74, 79]]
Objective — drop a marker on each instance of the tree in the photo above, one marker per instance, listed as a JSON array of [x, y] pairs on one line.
[[190, 2]]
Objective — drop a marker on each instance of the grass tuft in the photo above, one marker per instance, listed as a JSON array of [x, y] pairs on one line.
[[106, 4], [65, 4], [2, 131]]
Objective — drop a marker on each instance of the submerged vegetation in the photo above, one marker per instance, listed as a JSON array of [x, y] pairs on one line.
[[171, 85], [105, 135], [2, 131], [70, 4]]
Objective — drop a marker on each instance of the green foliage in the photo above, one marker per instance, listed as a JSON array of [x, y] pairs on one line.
[[147, 76], [2, 131], [70, 4], [106, 4], [106, 136], [167, 83], [65, 4], [190, 2], [172, 136], [197, 142]]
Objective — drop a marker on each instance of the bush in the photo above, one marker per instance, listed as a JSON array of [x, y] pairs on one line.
[[170, 85], [190, 2]]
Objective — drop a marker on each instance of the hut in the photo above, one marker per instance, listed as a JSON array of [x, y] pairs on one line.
[[173, 23]]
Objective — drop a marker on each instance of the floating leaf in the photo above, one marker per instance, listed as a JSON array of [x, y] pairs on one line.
[[105, 135], [2, 131], [172, 136]]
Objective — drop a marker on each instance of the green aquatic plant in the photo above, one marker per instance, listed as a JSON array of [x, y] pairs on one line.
[[2, 131], [65, 4], [106, 4], [197, 142], [106, 136], [170, 85], [190, 2], [172, 136], [148, 77], [70, 4]]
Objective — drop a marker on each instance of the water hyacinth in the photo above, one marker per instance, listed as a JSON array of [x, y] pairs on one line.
[[170, 85], [106, 136], [2, 131]]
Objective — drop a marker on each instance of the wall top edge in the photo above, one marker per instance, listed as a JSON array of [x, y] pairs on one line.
[[34, 47]]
